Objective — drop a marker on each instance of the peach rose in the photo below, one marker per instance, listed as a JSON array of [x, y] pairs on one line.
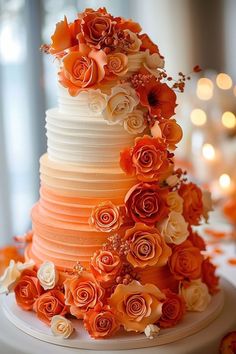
[[27, 289], [186, 261], [82, 293], [171, 132], [61, 326], [97, 101], [101, 322], [135, 42], [153, 62], [117, 65], [209, 277], [175, 202], [148, 160], [196, 295], [146, 203], [106, 217], [228, 343], [193, 205], [174, 228], [135, 122], [50, 304], [173, 309], [82, 69], [146, 247], [137, 305], [151, 331], [105, 266]]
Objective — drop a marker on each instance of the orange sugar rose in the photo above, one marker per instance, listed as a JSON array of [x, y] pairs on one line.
[[196, 239], [146, 247], [27, 289], [193, 205], [105, 266], [82, 293], [209, 277], [117, 65], [171, 132], [136, 305], [173, 309], [186, 261], [101, 322], [106, 217], [148, 159], [50, 304], [228, 344]]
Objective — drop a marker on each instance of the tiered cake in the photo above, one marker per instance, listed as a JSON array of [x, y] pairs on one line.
[[113, 240]]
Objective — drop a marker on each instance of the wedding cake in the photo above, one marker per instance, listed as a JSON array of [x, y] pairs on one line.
[[114, 242]]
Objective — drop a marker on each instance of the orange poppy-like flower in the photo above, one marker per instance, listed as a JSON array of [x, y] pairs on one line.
[[97, 27], [146, 203], [158, 97], [148, 159], [27, 290], [209, 277], [230, 210], [101, 322], [186, 261], [50, 304], [171, 132], [137, 305], [117, 65], [228, 343], [105, 266], [81, 69], [193, 205], [124, 24], [7, 254], [106, 217], [146, 247], [82, 293], [173, 309], [147, 43], [196, 239]]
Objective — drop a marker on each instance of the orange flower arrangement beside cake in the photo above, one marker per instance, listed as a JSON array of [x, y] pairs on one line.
[[114, 241]]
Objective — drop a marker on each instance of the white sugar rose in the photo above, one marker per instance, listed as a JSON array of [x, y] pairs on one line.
[[136, 42], [61, 326], [196, 296], [174, 228], [175, 202], [207, 203], [47, 275], [12, 274], [153, 62], [151, 331], [135, 123], [97, 101], [121, 102], [172, 180]]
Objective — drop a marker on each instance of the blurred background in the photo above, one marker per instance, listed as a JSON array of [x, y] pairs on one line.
[[188, 32]]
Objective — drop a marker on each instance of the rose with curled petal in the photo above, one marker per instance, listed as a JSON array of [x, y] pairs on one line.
[[105, 266], [196, 295], [146, 203], [50, 304], [171, 132], [117, 65], [186, 261], [173, 309], [61, 326], [146, 247], [174, 228], [106, 217], [136, 305], [147, 160], [209, 277], [193, 205], [175, 202], [82, 293], [135, 122], [82, 69], [27, 290], [101, 322]]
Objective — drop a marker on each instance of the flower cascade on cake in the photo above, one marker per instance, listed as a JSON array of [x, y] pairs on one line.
[[149, 268]]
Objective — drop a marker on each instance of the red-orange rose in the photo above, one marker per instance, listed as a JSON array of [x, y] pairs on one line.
[[209, 277], [82, 293], [196, 239], [105, 266], [148, 159], [27, 289], [147, 43], [186, 261], [193, 205], [228, 344], [50, 304], [171, 132], [146, 203], [101, 322], [173, 309], [158, 97]]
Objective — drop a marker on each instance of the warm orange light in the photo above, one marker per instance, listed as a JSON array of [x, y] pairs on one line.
[[198, 117], [228, 120], [225, 181], [224, 81], [208, 151], [205, 89]]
